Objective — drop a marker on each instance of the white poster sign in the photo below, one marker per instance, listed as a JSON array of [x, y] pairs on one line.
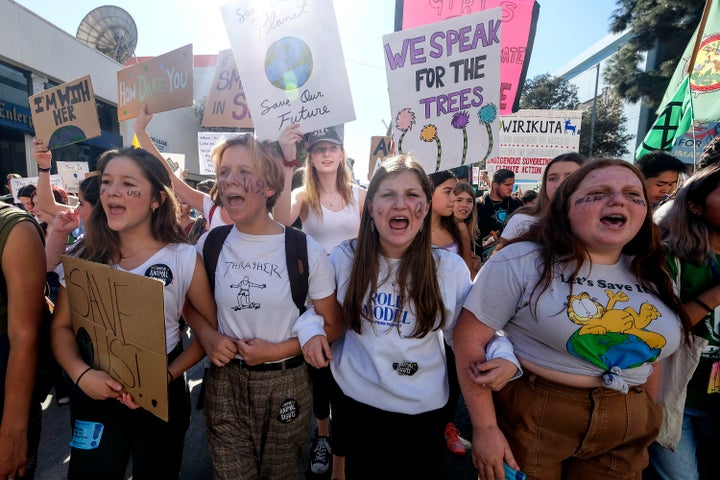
[[176, 162], [72, 173], [206, 142], [17, 183], [529, 139], [291, 64], [444, 83]]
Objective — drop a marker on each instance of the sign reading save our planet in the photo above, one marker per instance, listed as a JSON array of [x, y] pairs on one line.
[[290, 60], [65, 114], [162, 83]]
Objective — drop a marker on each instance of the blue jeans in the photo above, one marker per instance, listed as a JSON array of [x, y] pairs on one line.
[[695, 457]]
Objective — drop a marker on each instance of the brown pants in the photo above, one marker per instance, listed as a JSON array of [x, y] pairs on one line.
[[258, 423], [560, 432]]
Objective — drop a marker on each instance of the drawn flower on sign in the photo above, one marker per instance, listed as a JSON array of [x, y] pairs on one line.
[[404, 121], [460, 121], [428, 134], [486, 115]]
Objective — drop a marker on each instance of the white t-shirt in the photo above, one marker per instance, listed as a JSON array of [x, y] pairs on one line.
[[383, 368], [518, 224], [609, 322], [214, 220], [252, 289], [174, 264]]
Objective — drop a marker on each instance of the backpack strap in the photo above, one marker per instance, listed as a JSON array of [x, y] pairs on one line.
[[211, 250], [212, 212], [297, 265]]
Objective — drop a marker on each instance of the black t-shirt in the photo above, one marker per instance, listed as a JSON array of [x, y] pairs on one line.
[[492, 215]]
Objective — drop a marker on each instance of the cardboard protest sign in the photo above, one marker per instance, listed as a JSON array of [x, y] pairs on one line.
[[226, 105], [119, 323], [72, 173], [519, 18], [65, 114], [17, 183], [380, 148], [446, 78], [163, 83], [529, 139], [291, 64]]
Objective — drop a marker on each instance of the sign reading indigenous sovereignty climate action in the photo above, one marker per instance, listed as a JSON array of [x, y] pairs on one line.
[[226, 105], [519, 18], [445, 77], [119, 323], [291, 63], [65, 114], [162, 83], [529, 139]]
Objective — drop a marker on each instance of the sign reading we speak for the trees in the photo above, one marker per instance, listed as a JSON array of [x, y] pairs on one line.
[[444, 83]]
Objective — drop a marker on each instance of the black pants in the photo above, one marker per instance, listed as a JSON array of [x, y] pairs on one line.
[[155, 446]]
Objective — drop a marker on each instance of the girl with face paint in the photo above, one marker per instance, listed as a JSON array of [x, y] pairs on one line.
[[585, 298], [257, 394], [328, 205], [134, 229], [389, 370]]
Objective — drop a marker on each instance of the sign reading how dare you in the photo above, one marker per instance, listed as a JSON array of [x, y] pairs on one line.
[[119, 324], [65, 114], [163, 83]]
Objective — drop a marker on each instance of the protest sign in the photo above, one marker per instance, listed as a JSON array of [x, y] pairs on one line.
[[119, 323], [519, 19], [206, 142], [176, 162], [72, 173], [65, 114], [380, 148], [446, 78], [691, 144], [291, 64], [17, 183], [529, 139], [162, 83], [226, 105]]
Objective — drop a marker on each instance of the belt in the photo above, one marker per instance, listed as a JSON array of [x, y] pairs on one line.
[[292, 362]]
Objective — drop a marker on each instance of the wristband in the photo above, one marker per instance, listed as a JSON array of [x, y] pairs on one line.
[[43, 170], [291, 163], [703, 305], [81, 375]]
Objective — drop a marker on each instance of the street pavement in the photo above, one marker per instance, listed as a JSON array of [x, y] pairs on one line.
[[54, 451]]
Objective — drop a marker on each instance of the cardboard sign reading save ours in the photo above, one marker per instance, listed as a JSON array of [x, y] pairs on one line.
[[119, 323], [162, 83], [65, 114]]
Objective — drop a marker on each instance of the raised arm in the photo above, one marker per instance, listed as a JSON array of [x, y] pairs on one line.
[[189, 195], [45, 198], [287, 207], [23, 266]]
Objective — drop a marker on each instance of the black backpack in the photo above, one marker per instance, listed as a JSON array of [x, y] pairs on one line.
[[295, 257]]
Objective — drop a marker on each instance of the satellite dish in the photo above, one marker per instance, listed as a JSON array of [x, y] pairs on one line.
[[109, 30]]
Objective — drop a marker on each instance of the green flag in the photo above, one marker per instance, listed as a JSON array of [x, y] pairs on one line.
[[672, 122]]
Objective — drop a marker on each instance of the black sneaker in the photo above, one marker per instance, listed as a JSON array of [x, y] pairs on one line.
[[321, 456]]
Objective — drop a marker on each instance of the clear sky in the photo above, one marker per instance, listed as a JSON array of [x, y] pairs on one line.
[[565, 29]]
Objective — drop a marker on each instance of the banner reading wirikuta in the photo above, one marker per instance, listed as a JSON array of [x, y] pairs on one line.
[[291, 64], [444, 84]]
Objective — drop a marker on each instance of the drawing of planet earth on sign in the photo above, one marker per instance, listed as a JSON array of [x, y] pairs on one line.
[[65, 136], [288, 63]]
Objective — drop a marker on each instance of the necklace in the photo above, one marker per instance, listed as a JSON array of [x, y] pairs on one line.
[[330, 199]]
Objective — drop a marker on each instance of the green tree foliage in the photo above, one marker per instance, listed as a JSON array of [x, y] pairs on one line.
[[546, 92], [665, 24], [610, 136]]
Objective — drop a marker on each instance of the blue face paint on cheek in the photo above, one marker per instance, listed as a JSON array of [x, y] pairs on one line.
[[589, 199], [133, 193]]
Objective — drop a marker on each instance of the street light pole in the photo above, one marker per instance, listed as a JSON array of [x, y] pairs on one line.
[[594, 108]]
